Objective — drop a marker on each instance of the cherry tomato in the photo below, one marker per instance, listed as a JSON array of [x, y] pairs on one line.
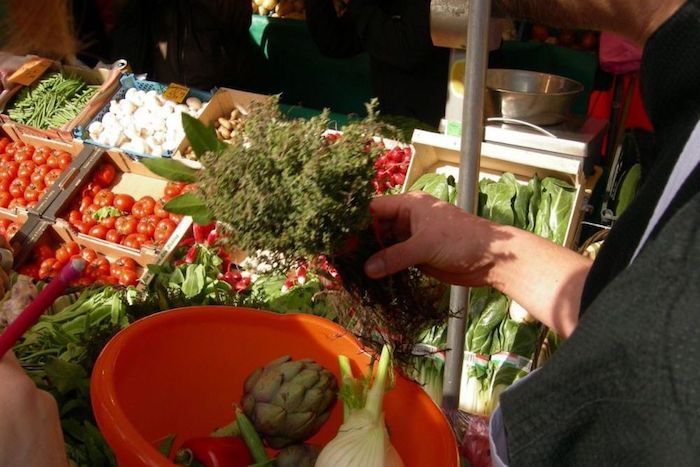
[[52, 176], [99, 231], [108, 222], [164, 230], [64, 160], [123, 202], [113, 236], [148, 204], [126, 262], [17, 187], [126, 225], [104, 175], [103, 198], [131, 241], [40, 155], [147, 226], [173, 189], [89, 255], [98, 267], [5, 199], [128, 277], [26, 169]]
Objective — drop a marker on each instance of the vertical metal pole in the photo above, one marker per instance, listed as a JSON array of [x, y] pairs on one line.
[[472, 134]]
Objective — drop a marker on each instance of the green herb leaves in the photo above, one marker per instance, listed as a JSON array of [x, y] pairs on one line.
[[170, 169], [190, 205]]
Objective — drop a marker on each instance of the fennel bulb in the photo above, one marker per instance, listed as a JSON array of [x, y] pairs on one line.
[[362, 440]]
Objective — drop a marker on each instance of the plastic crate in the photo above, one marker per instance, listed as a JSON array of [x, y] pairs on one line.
[[127, 82]]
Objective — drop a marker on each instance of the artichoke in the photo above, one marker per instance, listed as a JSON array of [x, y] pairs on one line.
[[288, 400], [298, 455]]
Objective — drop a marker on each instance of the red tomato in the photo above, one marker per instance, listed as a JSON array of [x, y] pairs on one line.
[[31, 270], [123, 202], [5, 199], [131, 241], [99, 231], [26, 169], [12, 230], [164, 230], [42, 252], [4, 141], [84, 227], [148, 204], [52, 176], [17, 203], [39, 174], [189, 188], [89, 213], [32, 193], [126, 225], [5, 185], [98, 267], [85, 203], [5, 223], [52, 161], [24, 154], [147, 226], [75, 216], [46, 269], [126, 262], [137, 210], [128, 277], [72, 248], [173, 189], [176, 217], [89, 255], [114, 270], [63, 255], [40, 155], [17, 187], [160, 212], [108, 222], [108, 280], [104, 175], [11, 168], [104, 198], [12, 147], [64, 160], [113, 236]]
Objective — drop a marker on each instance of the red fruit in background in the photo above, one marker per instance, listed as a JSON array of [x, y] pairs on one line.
[[104, 175], [52, 176], [98, 231], [103, 198], [567, 38], [539, 32], [589, 40], [123, 202]]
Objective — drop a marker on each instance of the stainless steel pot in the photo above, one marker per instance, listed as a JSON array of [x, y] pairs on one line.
[[537, 98]]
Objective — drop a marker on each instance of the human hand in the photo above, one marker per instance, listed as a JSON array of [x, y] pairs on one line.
[[30, 431], [442, 240]]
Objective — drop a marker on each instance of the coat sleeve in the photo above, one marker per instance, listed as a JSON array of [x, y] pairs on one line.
[[335, 37], [400, 40]]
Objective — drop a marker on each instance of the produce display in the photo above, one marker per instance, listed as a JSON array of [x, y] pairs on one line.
[[26, 172], [227, 130], [118, 217], [54, 100], [144, 122], [9, 228], [291, 9]]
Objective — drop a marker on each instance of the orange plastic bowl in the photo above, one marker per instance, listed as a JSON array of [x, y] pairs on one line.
[[181, 371]]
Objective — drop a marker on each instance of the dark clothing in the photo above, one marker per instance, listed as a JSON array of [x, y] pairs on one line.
[[625, 387], [409, 74], [199, 43]]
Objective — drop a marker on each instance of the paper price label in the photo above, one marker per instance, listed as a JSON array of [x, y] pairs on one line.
[[30, 71], [176, 92]]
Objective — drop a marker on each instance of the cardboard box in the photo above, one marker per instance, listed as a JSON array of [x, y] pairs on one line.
[[438, 153], [108, 79]]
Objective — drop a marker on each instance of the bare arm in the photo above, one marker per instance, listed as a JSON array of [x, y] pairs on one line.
[[459, 248]]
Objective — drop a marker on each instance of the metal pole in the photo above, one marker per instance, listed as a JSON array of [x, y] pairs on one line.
[[472, 134]]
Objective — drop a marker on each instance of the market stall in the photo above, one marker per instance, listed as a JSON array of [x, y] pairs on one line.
[[135, 181]]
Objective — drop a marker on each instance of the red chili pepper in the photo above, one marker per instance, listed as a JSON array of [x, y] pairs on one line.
[[227, 451], [201, 231]]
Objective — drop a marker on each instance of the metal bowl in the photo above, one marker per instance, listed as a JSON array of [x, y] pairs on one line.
[[537, 98]]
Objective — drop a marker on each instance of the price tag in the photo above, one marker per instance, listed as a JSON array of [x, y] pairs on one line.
[[176, 92], [30, 71]]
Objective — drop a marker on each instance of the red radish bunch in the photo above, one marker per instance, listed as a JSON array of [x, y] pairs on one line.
[[392, 167], [47, 263], [132, 222]]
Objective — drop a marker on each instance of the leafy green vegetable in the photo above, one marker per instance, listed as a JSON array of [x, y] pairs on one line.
[[498, 207], [170, 169], [107, 211], [202, 138], [190, 205]]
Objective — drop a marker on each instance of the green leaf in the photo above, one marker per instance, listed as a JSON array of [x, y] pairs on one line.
[[190, 205], [194, 280], [107, 211], [166, 445], [170, 169], [66, 376], [202, 138]]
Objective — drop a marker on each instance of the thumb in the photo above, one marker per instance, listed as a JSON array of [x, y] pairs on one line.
[[394, 259]]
